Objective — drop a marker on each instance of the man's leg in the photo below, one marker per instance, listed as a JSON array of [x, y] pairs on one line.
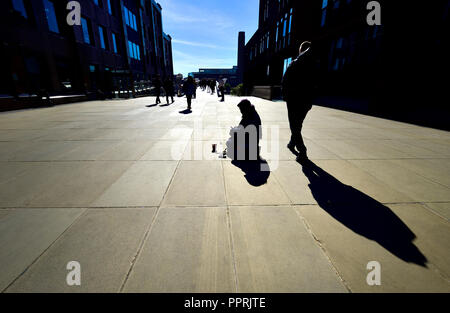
[[294, 125], [300, 144], [189, 98]]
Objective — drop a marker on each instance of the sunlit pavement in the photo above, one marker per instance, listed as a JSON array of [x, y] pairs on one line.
[[133, 193]]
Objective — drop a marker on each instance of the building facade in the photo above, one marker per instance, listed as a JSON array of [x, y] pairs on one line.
[[118, 44], [383, 64], [231, 75]]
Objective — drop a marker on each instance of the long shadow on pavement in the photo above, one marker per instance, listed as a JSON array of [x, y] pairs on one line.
[[362, 214]]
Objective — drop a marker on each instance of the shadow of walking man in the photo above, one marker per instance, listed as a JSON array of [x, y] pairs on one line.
[[362, 214]]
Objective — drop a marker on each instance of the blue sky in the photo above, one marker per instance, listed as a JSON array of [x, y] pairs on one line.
[[205, 32]]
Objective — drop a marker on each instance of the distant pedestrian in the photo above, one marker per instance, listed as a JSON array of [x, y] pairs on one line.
[[168, 87], [298, 92], [222, 90], [212, 85], [157, 84], [189, 90]]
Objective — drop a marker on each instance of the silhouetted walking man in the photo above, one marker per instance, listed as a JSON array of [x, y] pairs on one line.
[[157, 84], [168, 87], [189, 90], [298, 92]]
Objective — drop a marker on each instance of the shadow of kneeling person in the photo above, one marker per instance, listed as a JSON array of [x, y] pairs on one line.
[[362, 214], [257, 172]]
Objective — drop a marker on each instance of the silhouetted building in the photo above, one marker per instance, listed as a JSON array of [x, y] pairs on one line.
[[241, 56], [218, 73], [118, 44], [395, 67]]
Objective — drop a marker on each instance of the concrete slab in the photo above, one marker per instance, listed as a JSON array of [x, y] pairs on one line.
[[143, 184], [165, 150], [26, 234], [188, 188], [61, 184], [404, 180], [351, 252], [436, 170], [246, 189], [126, 151], [104, 242], [362, 149], [294, 183], [275, 253], [358, 178], [442, 209], [188, 250]]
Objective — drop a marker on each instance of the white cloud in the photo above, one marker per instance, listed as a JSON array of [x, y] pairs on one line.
[[200, 44]]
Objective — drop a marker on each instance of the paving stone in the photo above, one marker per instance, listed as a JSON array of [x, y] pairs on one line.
[[189, 188], [350, 253], [275, 253], [103, 242], [188, 250], [26, 234]]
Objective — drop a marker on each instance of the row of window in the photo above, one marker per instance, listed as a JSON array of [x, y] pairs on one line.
[[134, 50], [130, 18], [108, 5], [282, 36], [86, 26], [88, 36], [49, 8], [327, 5]]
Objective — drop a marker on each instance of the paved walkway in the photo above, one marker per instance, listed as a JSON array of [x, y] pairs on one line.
[[133, 193]]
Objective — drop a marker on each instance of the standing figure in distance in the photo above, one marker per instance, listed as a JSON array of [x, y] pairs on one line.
[[298, 92], [189, 90], [157, 84], [168, 87]]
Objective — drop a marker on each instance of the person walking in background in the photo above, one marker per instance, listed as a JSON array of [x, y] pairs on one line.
[[222, 90], [298, 91], [189, 90], [157, 84], [212, 85], [168, 87]]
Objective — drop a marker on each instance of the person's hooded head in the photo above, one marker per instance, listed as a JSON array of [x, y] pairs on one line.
[[245, 106]]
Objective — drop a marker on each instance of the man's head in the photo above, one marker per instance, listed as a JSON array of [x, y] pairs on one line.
[[244, 106], [304, 46]]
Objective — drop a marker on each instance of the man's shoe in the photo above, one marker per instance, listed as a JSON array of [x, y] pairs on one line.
[[291, 147]]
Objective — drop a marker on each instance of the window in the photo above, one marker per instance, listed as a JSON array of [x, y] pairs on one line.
[[324, 17], [114, 42], [134, 51], [108, 3], [86, 31], [102, 34], [125, 13], [130, 18], [51, 17], [19, 6], [324, 4], [290, 21], [287, 62], [98, 3]]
